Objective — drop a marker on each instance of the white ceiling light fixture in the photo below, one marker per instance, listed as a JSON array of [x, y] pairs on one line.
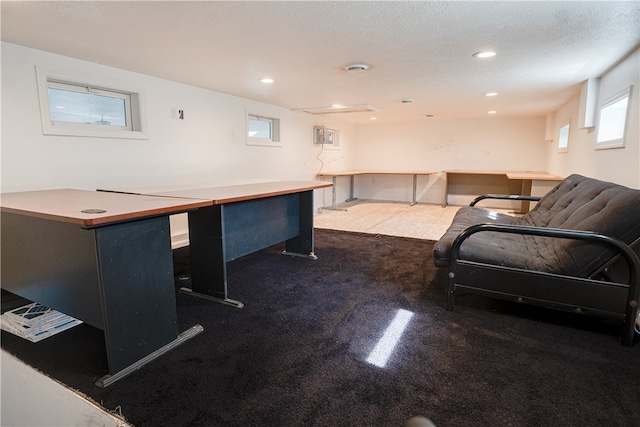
[[491, 94], [266, 80], [491, 112], [484, 54], [356, 68]]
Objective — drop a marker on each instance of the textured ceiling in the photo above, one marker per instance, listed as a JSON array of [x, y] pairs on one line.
[[414, 49]]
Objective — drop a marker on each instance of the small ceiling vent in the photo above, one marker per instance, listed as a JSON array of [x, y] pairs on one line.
[[356, 68]]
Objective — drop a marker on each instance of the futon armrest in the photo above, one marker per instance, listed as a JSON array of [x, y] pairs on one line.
[[505, 197]]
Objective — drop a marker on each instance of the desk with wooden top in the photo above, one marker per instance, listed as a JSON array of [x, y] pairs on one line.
[[240, 220], [103, 258], [352, 173], [526, 178]]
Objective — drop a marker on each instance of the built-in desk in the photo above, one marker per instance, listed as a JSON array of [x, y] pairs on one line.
[[526, 178], [352, 173], [242, 219], [103, 258]]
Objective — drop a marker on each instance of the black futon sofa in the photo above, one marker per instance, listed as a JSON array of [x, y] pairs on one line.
[[576, 250]]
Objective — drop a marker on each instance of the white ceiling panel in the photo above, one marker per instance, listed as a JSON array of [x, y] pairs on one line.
[[414, 49]]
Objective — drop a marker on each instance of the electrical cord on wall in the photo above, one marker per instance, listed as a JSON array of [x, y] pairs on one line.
[[318, 158], [320, 210]]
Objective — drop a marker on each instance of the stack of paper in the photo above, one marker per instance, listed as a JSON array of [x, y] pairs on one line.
[[36, 322]]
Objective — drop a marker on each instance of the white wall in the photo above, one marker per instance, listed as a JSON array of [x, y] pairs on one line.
[[207, 147], [480, 144], [620, 165]]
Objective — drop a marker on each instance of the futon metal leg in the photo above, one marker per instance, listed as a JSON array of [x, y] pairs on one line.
[[628, 327], [451, 292]]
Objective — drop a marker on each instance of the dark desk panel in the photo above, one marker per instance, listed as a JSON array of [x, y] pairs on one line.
[[116, 276]]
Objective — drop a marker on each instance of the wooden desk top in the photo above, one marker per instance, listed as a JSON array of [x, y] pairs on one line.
[[476, 172], [540, 176], [372, 172], [241, 192], [68, 206]]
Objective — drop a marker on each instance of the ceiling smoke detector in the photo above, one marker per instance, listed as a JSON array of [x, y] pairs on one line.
[[356, 68]]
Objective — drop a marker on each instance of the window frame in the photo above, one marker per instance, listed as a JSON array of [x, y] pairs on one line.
[[134, 105], [615, 98], [564, 148], [274, 131]]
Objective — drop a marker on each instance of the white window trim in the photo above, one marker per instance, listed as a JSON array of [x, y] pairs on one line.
[[274, 141], [566, 148], [618, 142], [76, 129]]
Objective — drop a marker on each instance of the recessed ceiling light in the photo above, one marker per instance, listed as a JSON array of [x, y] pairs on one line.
[[356, 68], [491, 112], [266, 80], [407, 101], [373, 118], [430, 115], [484, 54], [491, 94]]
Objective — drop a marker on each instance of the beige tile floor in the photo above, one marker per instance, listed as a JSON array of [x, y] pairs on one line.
[[422, 221]]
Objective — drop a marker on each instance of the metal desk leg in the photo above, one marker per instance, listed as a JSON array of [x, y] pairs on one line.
[[351, 189], [445, 191], [333, 206], [526, 191], [116, 277], [302, 244], [415, 185], [207, 256], [138, 295]]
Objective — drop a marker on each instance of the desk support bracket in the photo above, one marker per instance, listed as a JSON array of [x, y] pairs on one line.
[[108, 379], [310, 255], [225, 301], [415, 185], [333, 206]]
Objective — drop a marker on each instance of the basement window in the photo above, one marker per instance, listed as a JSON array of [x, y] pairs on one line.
[[93, 109], [563, 139], [612, 120], [263, 130]]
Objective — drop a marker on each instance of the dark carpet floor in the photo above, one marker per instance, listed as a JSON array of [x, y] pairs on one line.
[[296, 354]]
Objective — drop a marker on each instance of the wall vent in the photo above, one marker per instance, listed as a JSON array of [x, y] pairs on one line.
[[334, 109]]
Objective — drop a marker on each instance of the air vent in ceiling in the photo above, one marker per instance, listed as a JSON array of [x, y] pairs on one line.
[[336, 109]]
